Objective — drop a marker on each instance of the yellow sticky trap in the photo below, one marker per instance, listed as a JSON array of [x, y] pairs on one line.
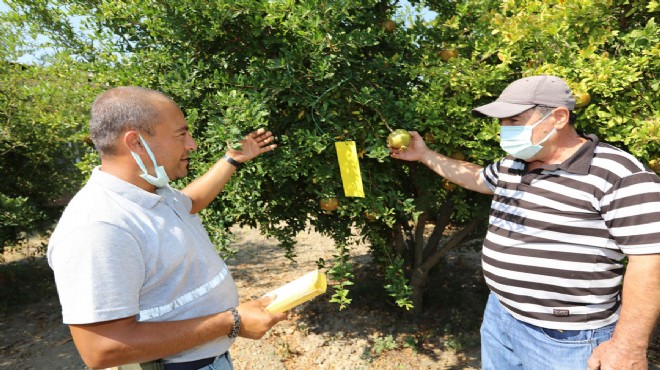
[[350, 168]]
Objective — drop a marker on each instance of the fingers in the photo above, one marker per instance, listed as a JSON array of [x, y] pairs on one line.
[[279, 316], [257, 132], [266, 299], [261, 135], [593, 363], [256, 320], [263, 139]]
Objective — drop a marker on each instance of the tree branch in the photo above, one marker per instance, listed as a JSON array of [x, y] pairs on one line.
[[453, 242], [442, 220]]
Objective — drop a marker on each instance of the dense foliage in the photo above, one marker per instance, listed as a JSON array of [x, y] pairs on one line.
[[42, 120], [320, 71]]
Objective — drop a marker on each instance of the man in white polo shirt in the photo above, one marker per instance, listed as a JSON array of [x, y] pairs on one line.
[[138, 278], [566, 210]]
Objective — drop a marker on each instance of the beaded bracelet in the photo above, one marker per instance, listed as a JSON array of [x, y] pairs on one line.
[[237, 323]]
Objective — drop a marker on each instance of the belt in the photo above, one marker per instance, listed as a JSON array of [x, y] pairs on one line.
[[191, 365]]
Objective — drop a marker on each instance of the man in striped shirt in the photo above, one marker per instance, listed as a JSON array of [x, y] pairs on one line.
[[566, 210]]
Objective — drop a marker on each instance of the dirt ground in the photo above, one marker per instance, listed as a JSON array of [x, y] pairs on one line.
[[370, 334], [318, 335]]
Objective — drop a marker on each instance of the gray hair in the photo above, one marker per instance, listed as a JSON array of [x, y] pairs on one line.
[[543, 110], [120, 109]]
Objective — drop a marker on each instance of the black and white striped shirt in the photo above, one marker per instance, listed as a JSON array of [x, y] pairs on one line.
[[557, 235]]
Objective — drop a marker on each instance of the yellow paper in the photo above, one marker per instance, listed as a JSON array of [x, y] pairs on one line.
[[350, 168], [297, 292]]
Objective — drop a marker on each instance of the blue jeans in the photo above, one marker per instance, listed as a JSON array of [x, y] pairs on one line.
[[508, 343], [221, 363]]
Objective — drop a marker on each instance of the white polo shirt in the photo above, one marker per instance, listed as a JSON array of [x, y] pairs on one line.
[[120, 251]]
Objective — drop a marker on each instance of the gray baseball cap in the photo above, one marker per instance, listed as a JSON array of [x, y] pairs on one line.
[[526, 93]]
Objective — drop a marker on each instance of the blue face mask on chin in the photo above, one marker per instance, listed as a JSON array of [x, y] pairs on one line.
[[517, 140], [161, 179]]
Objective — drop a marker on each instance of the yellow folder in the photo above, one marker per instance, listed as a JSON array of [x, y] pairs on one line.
[[297, 292]]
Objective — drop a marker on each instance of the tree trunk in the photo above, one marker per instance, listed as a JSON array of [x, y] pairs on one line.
[[419, 239], [418, 283], [419, 278]]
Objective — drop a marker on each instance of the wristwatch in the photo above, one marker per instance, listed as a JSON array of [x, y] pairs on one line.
[[232, 161]]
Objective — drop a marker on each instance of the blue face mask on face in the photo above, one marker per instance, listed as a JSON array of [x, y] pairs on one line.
[[161, 179], [517, 140]]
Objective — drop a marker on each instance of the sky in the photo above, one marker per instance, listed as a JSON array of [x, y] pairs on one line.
[[28, 58], [31, 58]]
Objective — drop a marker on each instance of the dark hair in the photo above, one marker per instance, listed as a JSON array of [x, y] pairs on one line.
[[120, 109]]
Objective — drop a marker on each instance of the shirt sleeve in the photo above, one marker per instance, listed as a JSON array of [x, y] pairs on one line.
[[99, 271], [490, 175], [631, 210]]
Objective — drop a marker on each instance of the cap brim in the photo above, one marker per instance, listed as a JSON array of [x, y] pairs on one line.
[[500, 109]]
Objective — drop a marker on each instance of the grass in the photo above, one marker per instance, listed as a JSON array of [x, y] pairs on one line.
[[384, 344]]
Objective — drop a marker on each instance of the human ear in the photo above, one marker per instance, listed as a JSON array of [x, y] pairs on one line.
[[561, 116], [132, 141]]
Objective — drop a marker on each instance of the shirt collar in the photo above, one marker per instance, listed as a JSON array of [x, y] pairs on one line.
[[125, 189], [578, 163]]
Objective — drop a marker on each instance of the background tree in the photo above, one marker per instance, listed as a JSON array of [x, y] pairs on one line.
[[42, 115], [319, 71]]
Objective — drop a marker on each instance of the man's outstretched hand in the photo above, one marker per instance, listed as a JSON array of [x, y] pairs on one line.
[[253, 145]]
